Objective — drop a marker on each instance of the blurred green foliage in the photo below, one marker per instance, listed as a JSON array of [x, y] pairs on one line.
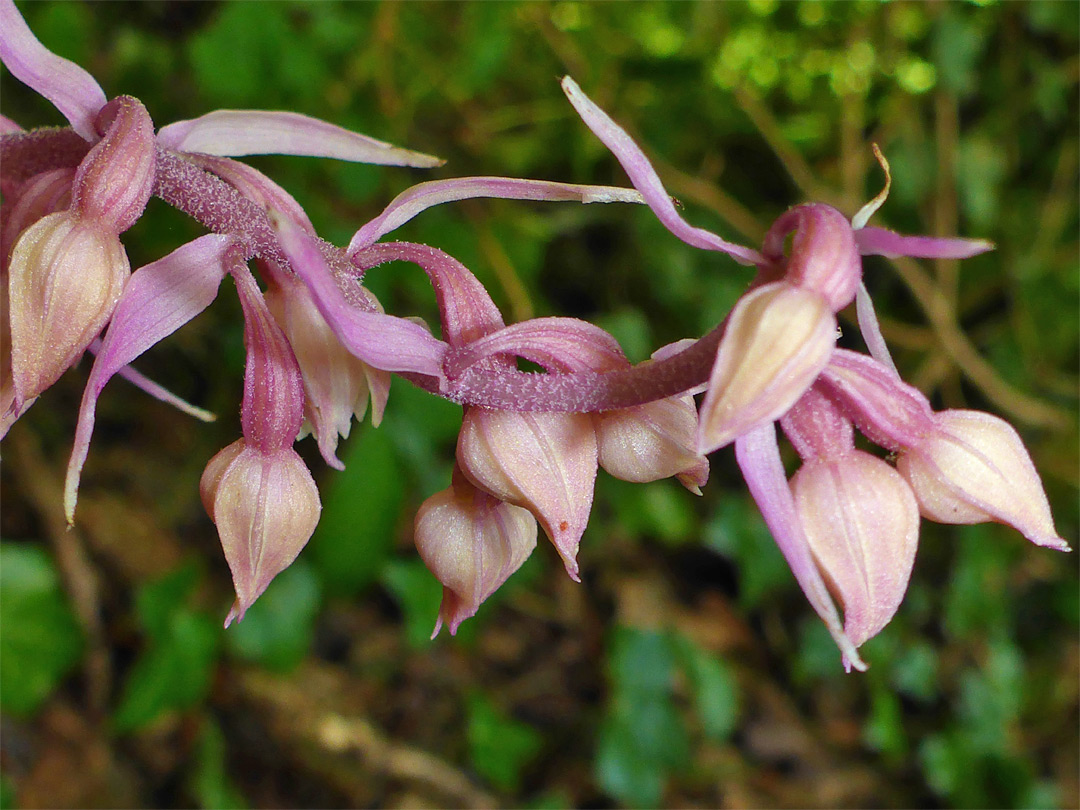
[[971, 698]]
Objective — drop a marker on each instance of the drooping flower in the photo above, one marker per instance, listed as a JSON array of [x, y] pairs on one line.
[[472, 542]]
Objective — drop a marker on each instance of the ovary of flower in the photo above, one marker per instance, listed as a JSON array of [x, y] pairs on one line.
[[972, 468], [861, 521], [65, 277], [544, 462], [472, 543], [778, 339], [265, 507]]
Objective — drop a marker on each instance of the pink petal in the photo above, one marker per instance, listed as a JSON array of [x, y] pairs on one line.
[[645, 179], [158, 299], [234, 133], [420, 197], [871, 329], [71, 89], [383, 341]]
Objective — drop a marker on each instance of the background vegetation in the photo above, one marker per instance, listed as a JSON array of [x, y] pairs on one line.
[[687, 669]]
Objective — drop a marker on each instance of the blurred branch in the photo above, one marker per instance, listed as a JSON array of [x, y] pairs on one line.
[[946, 216], [44, 491], [302, 709]]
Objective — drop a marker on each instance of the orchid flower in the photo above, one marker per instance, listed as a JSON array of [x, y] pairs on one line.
[[321, 349]]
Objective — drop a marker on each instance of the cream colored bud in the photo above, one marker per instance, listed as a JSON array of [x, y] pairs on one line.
[[472, 543], [65, 278], [974, 468], [778, 339]]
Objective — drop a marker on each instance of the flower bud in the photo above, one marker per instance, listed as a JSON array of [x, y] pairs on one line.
[[265, 507], [861, 521], [337, 384], [65, 278], [652, 441], [472, 543], [544, 462], [778, 339], [973, 467]]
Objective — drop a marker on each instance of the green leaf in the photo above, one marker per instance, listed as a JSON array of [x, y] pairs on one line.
[[41, 641], [174, 671], [277, 630], [418, 593], [499, 746], [623, 772], [716, 693], [360, 514], [209, 780]]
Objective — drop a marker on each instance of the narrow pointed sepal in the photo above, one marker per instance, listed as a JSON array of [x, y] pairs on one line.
[[472, 543], [862, 524], [778, 339], [544, 462]]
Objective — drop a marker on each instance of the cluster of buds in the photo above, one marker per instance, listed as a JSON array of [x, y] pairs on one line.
[[320, 348]]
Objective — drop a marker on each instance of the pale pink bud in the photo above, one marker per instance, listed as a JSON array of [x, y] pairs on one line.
[[973, 467], [337, 384], [472, 543], [544, 462], [861, 521], [65, 278], [652, 441], [265, 507], [777, 341]]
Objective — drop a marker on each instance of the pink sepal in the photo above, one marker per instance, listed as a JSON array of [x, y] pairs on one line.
[[823, 257], [235, 133], [254, 185], [8, 127], [72, 90], [412, 201], [645, 179], [874, 241], [759, 459], [557, 344], [383, 341], [158, 299], [466, 311]]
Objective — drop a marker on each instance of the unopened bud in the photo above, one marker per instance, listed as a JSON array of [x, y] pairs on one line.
[[66, 276], [778, 339], [972, 468], [265, 507], [652, 441], [862, 523], [544, 462], [472, 543]]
